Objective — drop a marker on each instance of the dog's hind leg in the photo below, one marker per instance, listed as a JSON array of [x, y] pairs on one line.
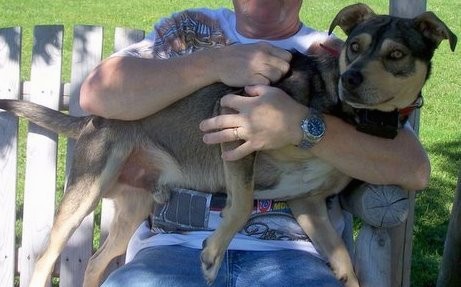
[[94, 170], [312, 215], [239, 186], [132, 206]]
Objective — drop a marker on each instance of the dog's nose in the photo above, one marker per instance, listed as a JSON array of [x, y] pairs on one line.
[[351, 79]]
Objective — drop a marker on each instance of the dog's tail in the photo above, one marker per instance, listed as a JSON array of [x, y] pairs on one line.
[[50, 119]]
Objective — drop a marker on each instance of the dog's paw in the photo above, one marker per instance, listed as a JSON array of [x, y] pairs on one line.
[[211, 259], [348, 280]]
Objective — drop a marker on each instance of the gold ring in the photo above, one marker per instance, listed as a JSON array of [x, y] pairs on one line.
[[236, 134]]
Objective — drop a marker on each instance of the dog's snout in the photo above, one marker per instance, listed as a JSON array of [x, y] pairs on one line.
[[351, 79]]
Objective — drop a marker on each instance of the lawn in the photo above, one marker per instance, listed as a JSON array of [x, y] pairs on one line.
[[439, 132]]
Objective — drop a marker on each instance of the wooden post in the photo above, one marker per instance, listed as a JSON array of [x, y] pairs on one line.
[[123, 38], [407, 8], [402, 236], [86, 54], [10, 59], [40, 182], [449, 275]]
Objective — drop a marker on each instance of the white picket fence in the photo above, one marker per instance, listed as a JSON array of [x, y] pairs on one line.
[[45, 87]]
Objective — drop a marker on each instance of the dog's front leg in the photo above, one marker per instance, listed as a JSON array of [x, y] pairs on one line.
[[239, 186], [312, 215]]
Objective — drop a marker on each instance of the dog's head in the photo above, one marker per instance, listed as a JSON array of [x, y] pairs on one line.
[[386, 60]]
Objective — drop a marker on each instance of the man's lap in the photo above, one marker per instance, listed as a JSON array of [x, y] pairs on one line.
[[180, 266]]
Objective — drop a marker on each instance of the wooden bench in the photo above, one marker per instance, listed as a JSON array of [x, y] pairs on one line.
[[382, 250]]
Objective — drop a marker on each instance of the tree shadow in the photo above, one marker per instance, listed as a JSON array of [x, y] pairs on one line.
[[82, 40], [432, 214], [10, 38], [48, 40]]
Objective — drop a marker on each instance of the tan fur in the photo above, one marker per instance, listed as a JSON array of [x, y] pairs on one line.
[[131, 208]]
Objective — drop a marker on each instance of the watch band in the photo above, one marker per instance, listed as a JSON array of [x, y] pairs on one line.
[[313, 128]]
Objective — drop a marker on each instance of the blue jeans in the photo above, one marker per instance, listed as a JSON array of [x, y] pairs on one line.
[[177, 266]]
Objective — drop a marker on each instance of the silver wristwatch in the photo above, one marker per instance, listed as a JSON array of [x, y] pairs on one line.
[[313, 128]]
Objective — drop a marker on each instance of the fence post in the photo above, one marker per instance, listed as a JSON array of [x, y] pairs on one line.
[[10, 59], [402, 242]]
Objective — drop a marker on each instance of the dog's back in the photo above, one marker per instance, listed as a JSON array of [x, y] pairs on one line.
[[174, 131]]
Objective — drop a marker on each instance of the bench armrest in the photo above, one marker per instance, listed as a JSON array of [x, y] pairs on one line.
[[382, 206]]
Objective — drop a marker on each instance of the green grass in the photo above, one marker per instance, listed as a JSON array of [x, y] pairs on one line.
[[439, 133]]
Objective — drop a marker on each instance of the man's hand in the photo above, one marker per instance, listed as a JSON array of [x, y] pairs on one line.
[[249, 64], [269, 119]]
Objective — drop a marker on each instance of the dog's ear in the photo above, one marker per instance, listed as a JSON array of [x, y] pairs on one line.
[[351, 16], [435, 29]]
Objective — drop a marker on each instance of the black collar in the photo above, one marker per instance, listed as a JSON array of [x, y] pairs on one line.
[[385, 124]]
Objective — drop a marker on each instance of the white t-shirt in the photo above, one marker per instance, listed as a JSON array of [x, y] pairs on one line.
[[184, 33]]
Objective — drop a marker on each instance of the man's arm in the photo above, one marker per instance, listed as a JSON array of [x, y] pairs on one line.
[[401, 161], [271, 120], [130, 88]]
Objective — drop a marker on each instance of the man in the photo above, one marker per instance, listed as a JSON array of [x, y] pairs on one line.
[[246, 49]]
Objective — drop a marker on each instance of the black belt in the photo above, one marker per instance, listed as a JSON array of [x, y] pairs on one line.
[[186, 210]]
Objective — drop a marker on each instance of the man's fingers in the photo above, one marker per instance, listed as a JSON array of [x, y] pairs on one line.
[[281, 63], [236, 102], [221, 122], [226, 135], [280, 53], [271, 74], [275, 68], [276, 63], [238, 153], [254, 90], [261, 79]]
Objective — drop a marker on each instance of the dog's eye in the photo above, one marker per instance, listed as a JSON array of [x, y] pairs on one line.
[[396, 54], [355, 47]]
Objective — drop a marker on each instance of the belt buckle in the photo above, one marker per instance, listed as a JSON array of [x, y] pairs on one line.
[[186, 210]]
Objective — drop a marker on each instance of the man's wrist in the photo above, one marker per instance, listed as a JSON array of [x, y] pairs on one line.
[[313, 128], [296, 132]]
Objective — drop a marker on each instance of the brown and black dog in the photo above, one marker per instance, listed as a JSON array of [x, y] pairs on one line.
[[382, 66]]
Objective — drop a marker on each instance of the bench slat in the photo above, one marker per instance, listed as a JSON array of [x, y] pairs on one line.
[[86, 55], [10, 59], [40, 184], [402, 242]]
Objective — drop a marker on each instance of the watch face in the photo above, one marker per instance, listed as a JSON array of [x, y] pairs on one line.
[[313, 130], [316, 127], [313, 127]]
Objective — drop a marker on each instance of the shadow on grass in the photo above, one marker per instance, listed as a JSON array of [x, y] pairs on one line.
[[433, 207]]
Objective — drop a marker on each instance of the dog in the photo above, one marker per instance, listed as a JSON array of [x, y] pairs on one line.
[[136, 163]]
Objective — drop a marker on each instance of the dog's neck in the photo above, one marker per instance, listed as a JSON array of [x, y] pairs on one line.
[[332, 51], [417, 104]]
